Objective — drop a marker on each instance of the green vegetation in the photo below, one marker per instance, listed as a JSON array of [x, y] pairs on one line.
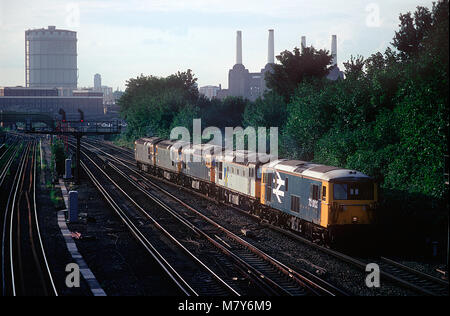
[[387, 118], [58, 162], [56, 200], [295, 68], [59, 157], [152, 106]]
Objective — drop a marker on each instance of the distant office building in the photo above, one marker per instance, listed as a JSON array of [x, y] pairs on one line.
[[49, 101], [210, 91], [51, 59], [97, 82], [108, 97], [114, 108]]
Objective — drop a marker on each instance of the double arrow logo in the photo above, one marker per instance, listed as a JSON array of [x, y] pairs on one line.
[[280, 183]]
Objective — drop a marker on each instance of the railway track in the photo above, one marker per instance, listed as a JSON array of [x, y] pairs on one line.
[[6, 180], [25, 269], [395, 272], [427, 284], [8, 157], [404, 276], [184, 268], [274, 277]]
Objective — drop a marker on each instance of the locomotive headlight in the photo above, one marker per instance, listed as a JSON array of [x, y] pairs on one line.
[[354, 219]]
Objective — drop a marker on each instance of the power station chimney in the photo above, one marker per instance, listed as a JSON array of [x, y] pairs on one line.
[[303, 43], [334, 49], [239, 48], [271, 49]]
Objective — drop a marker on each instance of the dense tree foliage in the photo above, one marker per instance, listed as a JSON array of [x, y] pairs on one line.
[[295, 67], [387, 118], [267, 112], [152, 106], [59, 156]]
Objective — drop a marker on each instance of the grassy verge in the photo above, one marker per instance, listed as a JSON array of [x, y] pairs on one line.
[[50, 171], [121, 140]]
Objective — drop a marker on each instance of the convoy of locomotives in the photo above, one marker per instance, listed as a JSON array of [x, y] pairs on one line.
[[321, 202]]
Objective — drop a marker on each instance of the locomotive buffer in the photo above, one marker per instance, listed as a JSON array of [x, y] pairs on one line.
[[78, 129]]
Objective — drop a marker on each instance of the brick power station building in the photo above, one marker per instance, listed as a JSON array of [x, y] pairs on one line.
[[251, 85]]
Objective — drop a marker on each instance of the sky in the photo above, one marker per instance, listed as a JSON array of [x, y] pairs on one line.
[[123, 39]]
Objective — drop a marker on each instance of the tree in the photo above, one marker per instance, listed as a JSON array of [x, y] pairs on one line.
[[269, 111], [354, 67], [185, 118], [296, 67], [416, 30], [59, 156], [226, 113], [308, 118], [150, 104]]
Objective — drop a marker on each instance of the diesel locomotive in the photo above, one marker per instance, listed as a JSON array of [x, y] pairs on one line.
[[321, 202]]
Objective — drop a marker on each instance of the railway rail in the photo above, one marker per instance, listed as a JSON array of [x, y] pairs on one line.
[[184, 268], [275, 277], [395, 272], [8, 156], [427, 284], [400, 274], [25, 269]]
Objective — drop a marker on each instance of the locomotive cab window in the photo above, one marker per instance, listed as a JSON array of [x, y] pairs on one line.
[[340, 191], [353, 191], [324, 193]]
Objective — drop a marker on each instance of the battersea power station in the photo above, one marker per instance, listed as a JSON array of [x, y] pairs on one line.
[[251, 85]]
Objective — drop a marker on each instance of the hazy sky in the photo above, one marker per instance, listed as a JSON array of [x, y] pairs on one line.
[[122, 39]]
